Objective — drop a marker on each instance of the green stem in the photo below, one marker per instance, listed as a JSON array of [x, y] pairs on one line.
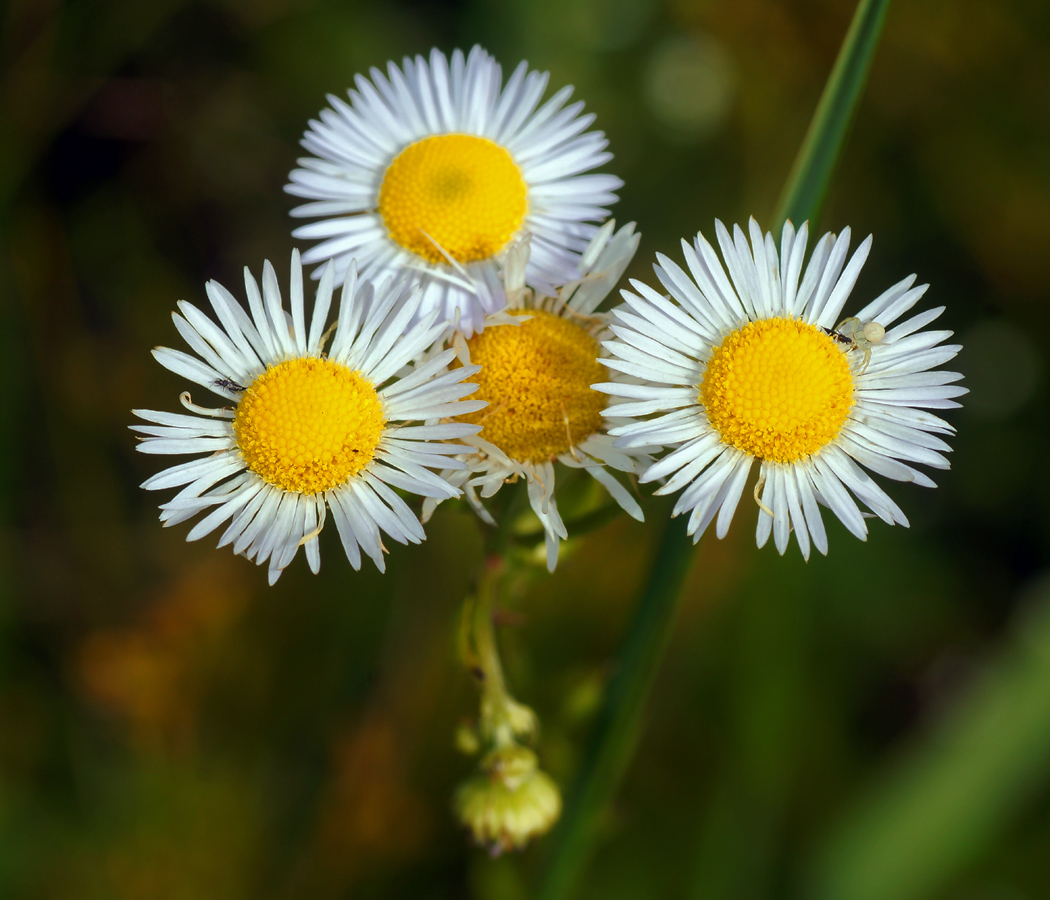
[[807, 185], [502, 720], [495, 702], [617, 729], [616, 733]]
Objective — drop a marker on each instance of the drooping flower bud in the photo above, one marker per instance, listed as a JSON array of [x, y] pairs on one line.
[[510, 803]]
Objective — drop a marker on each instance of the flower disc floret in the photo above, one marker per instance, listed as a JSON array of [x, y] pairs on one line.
[[308, 424], [458, 191], [778, 389], [537, 379]]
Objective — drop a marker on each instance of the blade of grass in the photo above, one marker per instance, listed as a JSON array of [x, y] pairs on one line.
[[617, 729], [951, 797], [807, 185]]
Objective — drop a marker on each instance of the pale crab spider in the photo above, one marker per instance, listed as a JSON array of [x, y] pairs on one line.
[[860, 336]]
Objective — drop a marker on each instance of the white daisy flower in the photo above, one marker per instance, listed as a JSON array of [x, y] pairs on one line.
[[309, 430], [538, 361], [436, 169], [761, 367]]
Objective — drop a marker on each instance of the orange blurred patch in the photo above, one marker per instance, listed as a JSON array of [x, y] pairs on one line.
[[371, 810], [370, 816], [149, 673], [133, 674]]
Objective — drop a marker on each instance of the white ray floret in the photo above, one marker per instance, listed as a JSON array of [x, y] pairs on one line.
[[370, 343], [353, 145], [668, 342]]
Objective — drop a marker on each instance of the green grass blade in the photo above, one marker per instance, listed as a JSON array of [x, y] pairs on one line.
[[955, 794], [807, 185], [617, 730]]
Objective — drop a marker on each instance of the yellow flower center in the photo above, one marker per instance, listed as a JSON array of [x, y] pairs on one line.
[[459, 191], [308, 425], [778, 389], [537, 379]]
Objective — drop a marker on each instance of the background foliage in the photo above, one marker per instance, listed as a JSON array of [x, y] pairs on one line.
[[871, 725]]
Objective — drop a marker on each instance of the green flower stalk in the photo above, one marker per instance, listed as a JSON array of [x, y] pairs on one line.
[[511, 800]]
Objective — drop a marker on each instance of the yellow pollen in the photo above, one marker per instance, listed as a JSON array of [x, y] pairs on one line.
[[464, 191], [308, 424], [779, 389], [537, 379]]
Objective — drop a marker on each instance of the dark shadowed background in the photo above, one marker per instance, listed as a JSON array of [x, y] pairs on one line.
[[871, 725]]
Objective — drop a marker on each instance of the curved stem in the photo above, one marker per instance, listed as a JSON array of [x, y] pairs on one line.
[[501, 718], [495, 701]]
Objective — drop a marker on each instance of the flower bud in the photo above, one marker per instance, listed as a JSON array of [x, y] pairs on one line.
[[521, 718], [513, 802], [467, 741]]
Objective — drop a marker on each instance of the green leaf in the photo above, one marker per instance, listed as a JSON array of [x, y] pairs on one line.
[[618, 727], [807, 185], [619, 723], [951, 796]]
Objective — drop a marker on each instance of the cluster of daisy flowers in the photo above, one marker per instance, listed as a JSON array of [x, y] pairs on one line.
[[463, 221]]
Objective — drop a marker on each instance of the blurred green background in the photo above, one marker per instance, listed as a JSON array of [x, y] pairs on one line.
[[870, 726]]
